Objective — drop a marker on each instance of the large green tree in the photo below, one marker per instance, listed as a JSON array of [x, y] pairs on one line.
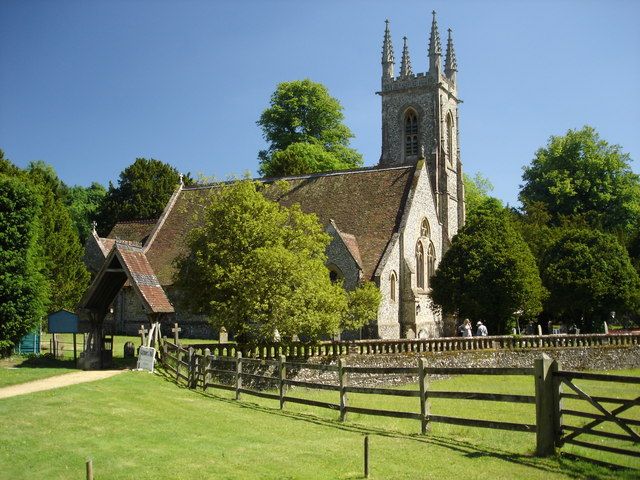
[[144, 188], [489, 273], [255, 267], [63, 253], [23, 289], [305, 131], [84, 204], [580, 177], [589, 275], [476, 192]]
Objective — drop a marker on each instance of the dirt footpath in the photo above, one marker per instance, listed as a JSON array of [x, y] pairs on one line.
[[57, 382]]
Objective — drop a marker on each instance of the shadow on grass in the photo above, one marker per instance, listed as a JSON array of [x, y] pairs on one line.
[[568, 465]]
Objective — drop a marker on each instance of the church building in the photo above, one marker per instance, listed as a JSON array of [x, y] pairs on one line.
[[390, 224]]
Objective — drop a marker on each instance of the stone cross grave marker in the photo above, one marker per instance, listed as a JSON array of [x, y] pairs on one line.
[[176, 329], [143, 331]]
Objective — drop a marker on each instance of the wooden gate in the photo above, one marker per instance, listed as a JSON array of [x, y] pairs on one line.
[[621, 436]]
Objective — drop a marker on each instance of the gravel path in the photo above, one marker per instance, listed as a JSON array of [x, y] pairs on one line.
[[57, 382]]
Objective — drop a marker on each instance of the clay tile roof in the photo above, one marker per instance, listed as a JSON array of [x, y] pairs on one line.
[[135, 230], [136, 270], [367, 203], [352, 245], [143, 278]]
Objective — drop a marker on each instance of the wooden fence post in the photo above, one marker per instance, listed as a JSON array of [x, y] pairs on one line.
[[546, 399], [424, 407], [282, 369], [206, 365], [343, 378], [178, 356], [557, 411], [190, 368], [238, 375], [89, 469]]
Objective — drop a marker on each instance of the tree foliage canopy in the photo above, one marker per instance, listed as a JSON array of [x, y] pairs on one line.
[[63, 253], [84, 205], [255, 267], [23, 289], [489, 274], [579, 175], [304, 129], [476, 192], [143, 190], [589, 275]]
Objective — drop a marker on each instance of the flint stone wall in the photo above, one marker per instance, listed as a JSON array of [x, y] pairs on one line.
[[581, 358]]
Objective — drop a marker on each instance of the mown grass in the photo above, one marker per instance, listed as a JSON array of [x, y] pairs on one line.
[[144, 426], [20, 369]]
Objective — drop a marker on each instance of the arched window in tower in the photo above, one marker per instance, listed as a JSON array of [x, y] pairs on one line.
[[450, 153], [420, 265], [425, 230], [431, 262], [410, 133], [393, 282]]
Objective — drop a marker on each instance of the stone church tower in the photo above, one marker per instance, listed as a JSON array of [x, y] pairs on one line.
[[420, 119]]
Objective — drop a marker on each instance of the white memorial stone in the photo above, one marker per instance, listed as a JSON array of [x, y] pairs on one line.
[[146, 358]]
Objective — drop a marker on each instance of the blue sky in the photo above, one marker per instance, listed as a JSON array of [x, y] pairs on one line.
[[88, 86]]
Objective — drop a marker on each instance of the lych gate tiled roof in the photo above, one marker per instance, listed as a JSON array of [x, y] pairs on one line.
[[365, 203], [136, 230], [126, 262]]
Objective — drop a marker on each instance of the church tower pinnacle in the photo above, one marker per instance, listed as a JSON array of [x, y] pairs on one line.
[[405, 64], [450, 64], [420, 113], [435, 50], [387, 54]]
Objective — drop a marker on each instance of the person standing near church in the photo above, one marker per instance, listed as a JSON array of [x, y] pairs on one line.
[[465, 328], [482, 330]]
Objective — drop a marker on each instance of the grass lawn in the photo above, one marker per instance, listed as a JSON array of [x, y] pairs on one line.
[[20, 369], [144, 426]]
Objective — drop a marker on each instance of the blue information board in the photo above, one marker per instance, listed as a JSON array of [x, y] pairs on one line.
[[63, 321]]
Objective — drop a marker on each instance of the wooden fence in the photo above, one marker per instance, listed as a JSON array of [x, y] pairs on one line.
[[229, 373], [567, 434], [210, 371], [446, 344]]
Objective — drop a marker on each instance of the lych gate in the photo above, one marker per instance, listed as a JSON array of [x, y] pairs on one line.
[[125, 262]]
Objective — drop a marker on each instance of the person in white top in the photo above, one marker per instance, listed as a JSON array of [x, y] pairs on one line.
[[482, 330]]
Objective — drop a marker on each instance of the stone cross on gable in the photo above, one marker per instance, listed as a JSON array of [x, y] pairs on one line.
[[176, 329], [181, 180], [143, 331], [94, 224]]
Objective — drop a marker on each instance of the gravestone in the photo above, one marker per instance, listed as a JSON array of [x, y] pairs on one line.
[[146, 358], [129, 350], [224, 336]]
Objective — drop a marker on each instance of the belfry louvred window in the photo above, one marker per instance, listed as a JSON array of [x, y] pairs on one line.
[[411, 133]]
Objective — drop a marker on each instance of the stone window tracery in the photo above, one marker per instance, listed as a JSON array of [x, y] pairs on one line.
[[431, 262], [411, 133], [425, 230], [420, 265], [450, 152], [393, 280]]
